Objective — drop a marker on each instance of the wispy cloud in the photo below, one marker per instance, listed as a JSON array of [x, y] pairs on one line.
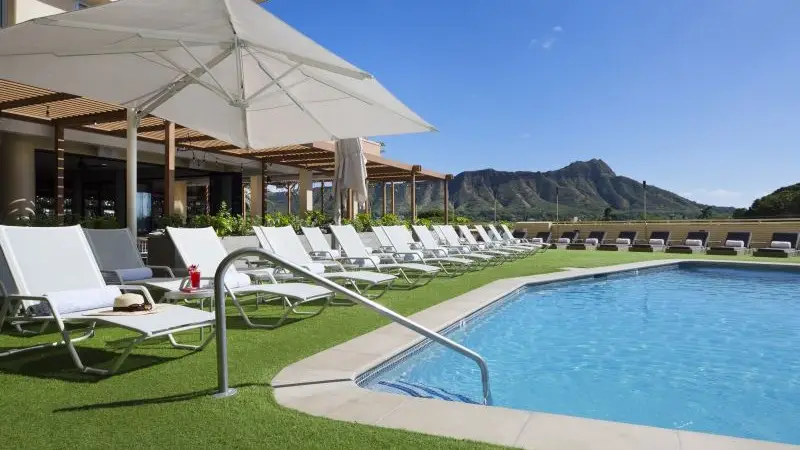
[[718, 196], [546, 42], [525, 135]]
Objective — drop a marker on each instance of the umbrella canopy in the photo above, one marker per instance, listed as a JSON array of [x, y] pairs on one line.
[[227, 68]]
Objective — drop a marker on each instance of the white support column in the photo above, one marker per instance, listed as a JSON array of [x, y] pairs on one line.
[[305, 191], [131, 172]]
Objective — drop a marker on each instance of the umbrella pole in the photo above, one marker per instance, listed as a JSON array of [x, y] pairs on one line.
[[131, 175]]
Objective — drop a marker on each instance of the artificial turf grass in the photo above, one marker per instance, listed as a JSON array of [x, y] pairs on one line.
[[161, 397]]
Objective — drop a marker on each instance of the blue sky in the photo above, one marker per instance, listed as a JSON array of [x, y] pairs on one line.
[[701, 97]]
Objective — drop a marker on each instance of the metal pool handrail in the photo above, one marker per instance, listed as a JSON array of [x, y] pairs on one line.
[[222, 348]]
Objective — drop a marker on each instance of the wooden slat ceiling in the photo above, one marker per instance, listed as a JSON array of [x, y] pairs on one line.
[[23, 102]]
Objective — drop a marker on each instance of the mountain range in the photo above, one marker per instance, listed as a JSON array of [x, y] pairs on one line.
[[585, 189]]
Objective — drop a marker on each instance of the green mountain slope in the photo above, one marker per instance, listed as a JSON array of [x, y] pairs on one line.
[[585, 189]]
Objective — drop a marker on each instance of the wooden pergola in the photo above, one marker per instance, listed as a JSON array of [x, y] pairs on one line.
[[65, 111]]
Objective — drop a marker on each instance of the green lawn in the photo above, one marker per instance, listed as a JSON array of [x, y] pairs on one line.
[[161, 398]]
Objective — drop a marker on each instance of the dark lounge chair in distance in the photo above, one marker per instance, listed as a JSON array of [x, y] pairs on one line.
[[624, 240], [735, 243], [782, 245], [566, 238], [594, 239], [657, 243], [695, 242], [542, 237]]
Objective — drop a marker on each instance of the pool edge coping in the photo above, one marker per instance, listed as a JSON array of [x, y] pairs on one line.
[[324, 384]]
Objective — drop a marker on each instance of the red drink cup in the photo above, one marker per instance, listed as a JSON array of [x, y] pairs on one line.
[[194, 278]]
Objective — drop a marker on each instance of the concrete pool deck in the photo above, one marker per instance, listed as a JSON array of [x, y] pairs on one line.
[[324, 385]]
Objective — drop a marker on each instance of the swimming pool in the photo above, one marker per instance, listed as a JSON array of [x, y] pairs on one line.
[[694, 347]]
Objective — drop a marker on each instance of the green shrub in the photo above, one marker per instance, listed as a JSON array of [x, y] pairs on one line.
[[174, 220], [101, 223], [389, 220]]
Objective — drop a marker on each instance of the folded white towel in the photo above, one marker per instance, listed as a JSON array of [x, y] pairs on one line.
[[694, 242], [623, 241], [656, 242], [564, 240], [66, 302], [734, 244], [537, 241], [591, 241], [780, 244]]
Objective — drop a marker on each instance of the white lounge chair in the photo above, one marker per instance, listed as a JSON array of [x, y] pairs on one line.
[[119, 258], [283, 241], [383, 239], [399, 236], [508, 236], [492, 244], [470, 243], [429, 243], [58, 281], [320, 247], [358, 256], [499, 239], [202, 247]]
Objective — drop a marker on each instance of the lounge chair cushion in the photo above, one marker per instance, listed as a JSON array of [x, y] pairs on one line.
[[140, 273], [656, 242], [564, 240], [694, 242], [780, 244], [537, 241], [76, 300], [591, 241], [734, 244], [623, 241]]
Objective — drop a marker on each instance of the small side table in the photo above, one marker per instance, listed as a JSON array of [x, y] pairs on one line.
[[199, 295]]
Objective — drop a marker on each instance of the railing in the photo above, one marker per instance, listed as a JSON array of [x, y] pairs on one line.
[[224, 389], [659, 221]]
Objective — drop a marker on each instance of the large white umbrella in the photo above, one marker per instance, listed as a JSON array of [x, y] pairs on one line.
[[227, 68], [351, 173]]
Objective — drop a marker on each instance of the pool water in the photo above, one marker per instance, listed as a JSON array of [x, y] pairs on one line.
[[702, 348]]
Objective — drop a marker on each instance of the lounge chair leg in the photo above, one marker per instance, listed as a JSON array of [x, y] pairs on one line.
[[4, 312], [202, 345]]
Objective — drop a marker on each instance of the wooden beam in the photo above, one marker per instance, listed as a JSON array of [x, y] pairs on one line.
[[446, 183], [38, 100], [169, 168], [222, 148], [58, 148], [274, 152], [264, 184], [385, 191], [200, 138], [152, 128], [413, 197], [368, 207], [89, 119], [289, 198], [351, 214]]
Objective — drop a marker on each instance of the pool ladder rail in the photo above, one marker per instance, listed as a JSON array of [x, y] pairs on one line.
[[224, 390]]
